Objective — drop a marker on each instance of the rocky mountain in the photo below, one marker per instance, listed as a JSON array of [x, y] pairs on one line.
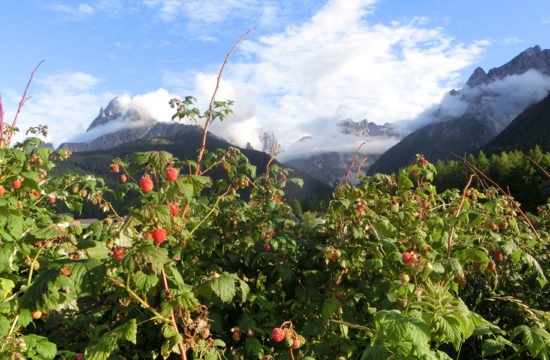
[[530, 128], [115, 125], [330, 167], [469, 118]]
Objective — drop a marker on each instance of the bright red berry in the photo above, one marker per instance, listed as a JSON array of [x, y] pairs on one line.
[[159, 236], [118, 253], [16, 184], [76, 256], [359, 207], [79, 356], [35, 192], [146, 184], [394, 202], [407, 258], [267, 247], [425, 204], [64, 271], [123, 179], [2, 190], [492, 267], [498, 256], [51, 200], [278, 334], [115, 168], [174, 209], [297, 343], [172, 174]]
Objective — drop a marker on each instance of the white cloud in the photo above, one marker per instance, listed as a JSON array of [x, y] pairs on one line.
[[66, 102], [203, 11], [337, 65], [514, 40], [76, 11], [546, 21]]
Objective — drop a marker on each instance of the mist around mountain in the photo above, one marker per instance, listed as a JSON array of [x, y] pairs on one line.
[[467, 119], [531, 128], [182, 141]]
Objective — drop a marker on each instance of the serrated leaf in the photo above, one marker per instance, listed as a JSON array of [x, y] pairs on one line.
[[377, 352], [145, 282], [403, 181], [6, 286], [149, 255], [297, 181], [330, 306], [253, 347], [224, 287], [88, 276], [491, 347], [5, 325], [127, 331]]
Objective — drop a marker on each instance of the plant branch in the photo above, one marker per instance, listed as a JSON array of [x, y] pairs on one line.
[[359, 169], [213, 99], [1, 123], [353, 161], [22, 102], [140, 300], [539, 166], [510, 198], [452, 234]]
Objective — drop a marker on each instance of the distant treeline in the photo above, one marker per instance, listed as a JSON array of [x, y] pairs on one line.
[[512, 170]]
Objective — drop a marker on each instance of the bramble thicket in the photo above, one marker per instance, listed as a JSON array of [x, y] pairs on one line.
[[204, 268]]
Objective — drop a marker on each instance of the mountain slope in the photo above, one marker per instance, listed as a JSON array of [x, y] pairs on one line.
[[469, 118], [530, 128], [182, 141]]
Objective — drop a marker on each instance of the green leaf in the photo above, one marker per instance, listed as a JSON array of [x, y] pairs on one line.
[[299, 182], [6, 286], [88, 276], [145, 282], [41, 345], [403, 181], [127, 331], [224, 287], [148, 255], [253, 347], [491, 347], [330, 306], [377, 352], [4, 325]]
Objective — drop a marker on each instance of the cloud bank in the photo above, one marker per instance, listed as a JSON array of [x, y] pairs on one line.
[[297, 82], [499, 101], [334, 66]]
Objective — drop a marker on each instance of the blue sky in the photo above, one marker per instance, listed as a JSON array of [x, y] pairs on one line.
[[307, 63]]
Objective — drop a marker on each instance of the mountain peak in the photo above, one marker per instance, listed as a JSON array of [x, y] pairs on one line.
[[532, 58], [479, 76]]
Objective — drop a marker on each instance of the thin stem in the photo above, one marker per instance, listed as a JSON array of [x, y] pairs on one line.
[[32, 266], [211, 211], [359, 169], [181, 345], [351, 325], [140, 300], [353, 161], [452, 234], [1, 123], [516, 205], [212, 100], [544, 171], [22, 102]]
